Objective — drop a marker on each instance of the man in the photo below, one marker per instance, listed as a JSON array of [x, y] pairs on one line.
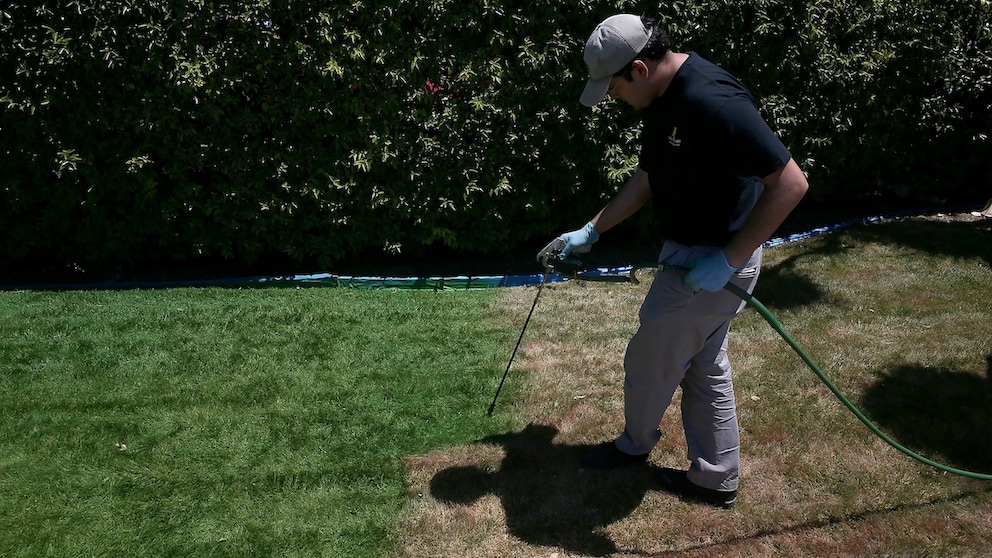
[[721, 183]]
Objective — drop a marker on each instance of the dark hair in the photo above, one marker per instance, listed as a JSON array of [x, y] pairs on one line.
[[657, 48]]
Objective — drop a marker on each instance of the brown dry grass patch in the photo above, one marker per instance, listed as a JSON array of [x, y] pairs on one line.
[[814, 480]]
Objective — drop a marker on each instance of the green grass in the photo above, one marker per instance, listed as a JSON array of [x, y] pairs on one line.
[[275, 422], [256, 422]]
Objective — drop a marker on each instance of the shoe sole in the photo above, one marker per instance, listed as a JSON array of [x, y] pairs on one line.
[[675, 482]]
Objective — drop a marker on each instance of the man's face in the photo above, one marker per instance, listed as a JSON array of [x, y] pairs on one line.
[[635, 91]]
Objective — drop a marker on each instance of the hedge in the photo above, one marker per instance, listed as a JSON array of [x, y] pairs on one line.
[[163, 132]]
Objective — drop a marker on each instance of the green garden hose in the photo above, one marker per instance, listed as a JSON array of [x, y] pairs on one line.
[[770, 318], [772, 321]]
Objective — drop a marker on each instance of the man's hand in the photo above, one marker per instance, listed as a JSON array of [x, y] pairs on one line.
[[579, 241], [710, 273]]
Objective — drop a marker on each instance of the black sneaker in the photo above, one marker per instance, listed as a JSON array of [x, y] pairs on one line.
[[608, 456], [676, 482]]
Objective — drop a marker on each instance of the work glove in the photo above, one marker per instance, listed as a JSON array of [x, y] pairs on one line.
[[578, 241], [710, 273]]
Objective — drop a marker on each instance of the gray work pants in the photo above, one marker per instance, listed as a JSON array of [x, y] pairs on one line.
[[682, 341]]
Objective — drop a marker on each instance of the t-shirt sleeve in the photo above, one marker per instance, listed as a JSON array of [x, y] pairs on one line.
[[752, 148]]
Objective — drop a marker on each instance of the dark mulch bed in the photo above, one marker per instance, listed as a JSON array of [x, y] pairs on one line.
[[613, 250]]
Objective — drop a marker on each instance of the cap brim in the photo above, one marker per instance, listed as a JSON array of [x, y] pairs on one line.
[[595, 91]]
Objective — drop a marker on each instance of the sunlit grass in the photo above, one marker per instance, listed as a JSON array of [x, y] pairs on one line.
[[206, 422]]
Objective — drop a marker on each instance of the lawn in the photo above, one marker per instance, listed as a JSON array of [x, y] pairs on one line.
[[335, 422], [896, 313], [213, 422]]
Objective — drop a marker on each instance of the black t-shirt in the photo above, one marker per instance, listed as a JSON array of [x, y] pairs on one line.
[[705, 148]]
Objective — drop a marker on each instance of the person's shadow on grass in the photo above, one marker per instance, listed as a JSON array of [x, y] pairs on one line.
[[548, 497]]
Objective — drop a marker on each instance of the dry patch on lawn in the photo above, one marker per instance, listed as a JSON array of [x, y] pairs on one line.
[[805, 491]]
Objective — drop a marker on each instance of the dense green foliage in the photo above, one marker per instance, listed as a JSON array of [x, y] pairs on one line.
[[162, 131]]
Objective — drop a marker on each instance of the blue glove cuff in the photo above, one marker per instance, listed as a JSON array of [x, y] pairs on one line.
[[590, 230]]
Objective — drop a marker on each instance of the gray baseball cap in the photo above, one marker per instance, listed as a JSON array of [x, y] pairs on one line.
[[613, 44]]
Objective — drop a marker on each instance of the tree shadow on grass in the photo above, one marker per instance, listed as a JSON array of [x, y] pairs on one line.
[[548, 498], [956, 239], [940, 413], [782, 287]]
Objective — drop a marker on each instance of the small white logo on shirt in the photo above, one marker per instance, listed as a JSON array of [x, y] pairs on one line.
[[674, 141]]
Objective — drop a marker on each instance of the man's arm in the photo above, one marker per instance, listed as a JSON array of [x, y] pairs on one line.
[[634, 194], [783, 190]]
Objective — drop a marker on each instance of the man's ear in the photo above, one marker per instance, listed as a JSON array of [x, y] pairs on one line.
[[640, 68]]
